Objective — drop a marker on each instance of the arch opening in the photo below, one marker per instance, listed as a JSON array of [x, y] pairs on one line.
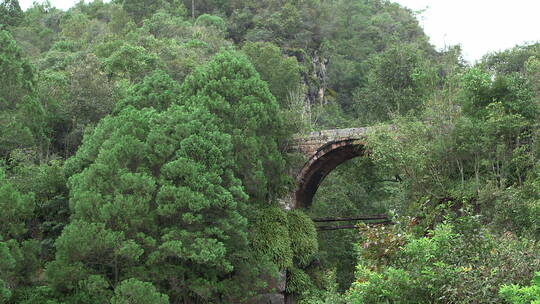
[[326, 159]]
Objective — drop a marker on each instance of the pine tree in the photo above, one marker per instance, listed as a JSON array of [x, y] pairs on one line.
[[153, 197], [231, 89]]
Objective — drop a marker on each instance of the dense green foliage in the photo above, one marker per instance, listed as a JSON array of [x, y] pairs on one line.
[[516, 294], [231, 89], [467, 164], [356, 187], [447, 266], [144, 150], [171, 176]]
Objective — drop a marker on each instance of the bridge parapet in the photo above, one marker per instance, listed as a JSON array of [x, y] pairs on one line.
[[310, 143]]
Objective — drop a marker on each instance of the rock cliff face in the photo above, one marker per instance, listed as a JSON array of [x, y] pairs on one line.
[[278, 296], [320, 79], [314, 77]]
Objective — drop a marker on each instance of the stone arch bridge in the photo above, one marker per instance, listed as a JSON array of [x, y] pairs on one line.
[[323, 152]]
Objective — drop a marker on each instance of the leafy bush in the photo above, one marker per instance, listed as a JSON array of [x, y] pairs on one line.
[[211, 21], [270, 236], [327, 293], [455, 263], [303, 237], [516, 294], [298, 281]]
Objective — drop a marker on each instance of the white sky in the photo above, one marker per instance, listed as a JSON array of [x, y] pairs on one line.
[[480, 26], [63, 4]]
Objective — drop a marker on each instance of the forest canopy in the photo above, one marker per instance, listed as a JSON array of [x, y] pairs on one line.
[[145, 149]]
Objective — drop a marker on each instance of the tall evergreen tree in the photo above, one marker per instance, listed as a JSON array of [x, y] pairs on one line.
[[16, 73], [231, 89], [157, 200], [10, 12]]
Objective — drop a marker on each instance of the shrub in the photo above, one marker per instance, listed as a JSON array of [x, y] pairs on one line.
[[461, 262], [303, 237]]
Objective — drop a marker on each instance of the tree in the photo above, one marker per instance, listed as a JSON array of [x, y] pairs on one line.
[[15, 250], [230, 88], [136, 292], [90, 98], [142, 9], [173, 210], [48, 184], [516, 294], [16, 73], [75, 27], [282, 73], [181, 56], [210, 21], [131, 62], [200, 7], [450, 263], [39, 29], [292, 25], [7, 264], [157, 91], [363, 30], [10, 12], [22, 115], [398, 81], [17, 210], [165, 25]]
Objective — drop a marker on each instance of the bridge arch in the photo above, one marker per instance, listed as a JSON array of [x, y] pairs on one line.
[[326, 159], [325, 150]]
